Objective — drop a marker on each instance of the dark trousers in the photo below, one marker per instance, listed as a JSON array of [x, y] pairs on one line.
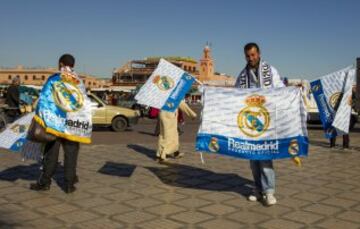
[[50, 160], [346, 141]]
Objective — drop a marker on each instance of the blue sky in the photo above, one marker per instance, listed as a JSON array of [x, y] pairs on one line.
[[300, 38]]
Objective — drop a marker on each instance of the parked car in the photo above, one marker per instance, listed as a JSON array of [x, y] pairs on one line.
[[118, 118], [129, 101]]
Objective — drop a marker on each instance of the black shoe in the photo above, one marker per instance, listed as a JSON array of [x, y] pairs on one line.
[[69, 189], [39, 187]]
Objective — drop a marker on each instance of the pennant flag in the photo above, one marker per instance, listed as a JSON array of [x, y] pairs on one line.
[[254, 124], [332, 94], [165, 88]]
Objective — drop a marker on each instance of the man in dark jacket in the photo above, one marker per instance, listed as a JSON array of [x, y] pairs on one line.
[[13, 100]]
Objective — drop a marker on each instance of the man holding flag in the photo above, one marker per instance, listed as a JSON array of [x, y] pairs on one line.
[[333, 96], [259, 74], [63, 111], [165, 90]]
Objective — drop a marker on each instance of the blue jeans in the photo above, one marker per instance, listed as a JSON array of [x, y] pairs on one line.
[[264, 176]]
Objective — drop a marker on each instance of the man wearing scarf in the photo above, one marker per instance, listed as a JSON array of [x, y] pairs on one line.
[[259, 74], [64, 111]]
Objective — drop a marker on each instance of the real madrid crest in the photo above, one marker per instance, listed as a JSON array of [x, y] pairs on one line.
[[335, 99], [67, 96], [214, 145], [293, 147], [254, 119], [164, 83]]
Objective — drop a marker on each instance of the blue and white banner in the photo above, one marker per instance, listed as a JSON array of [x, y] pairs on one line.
[[254, 124], [14, 136], [332, 94], [165, 88], [64, 109]]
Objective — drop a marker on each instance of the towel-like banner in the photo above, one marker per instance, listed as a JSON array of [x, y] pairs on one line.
[[64, 108], [14, 136], [332, 94], [255, 124], [165, 88]]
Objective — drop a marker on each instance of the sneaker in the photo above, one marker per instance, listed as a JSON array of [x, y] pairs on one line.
[[269, 199], [255, 196]]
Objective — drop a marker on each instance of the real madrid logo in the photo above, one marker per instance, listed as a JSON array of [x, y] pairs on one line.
[[254, 119], [214, 145], [18, 128], [334, 99], [293, 147], [315, 88], [164, 83], [170, 105], [67, 96]]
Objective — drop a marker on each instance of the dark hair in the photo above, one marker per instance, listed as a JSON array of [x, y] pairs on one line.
[[251, 45], [67, 60]]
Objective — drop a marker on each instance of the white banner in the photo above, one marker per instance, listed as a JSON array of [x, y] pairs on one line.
[[166, 87], [332, 94], [257, 124]]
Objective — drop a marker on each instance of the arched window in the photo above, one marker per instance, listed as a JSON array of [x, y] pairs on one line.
[[9, 77], [43, 77], [26, 77], [34, 77]]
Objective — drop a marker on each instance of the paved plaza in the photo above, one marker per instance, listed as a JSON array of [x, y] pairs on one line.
[[121, 186]]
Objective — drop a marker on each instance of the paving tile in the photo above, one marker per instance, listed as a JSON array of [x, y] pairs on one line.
[[161, 224], [322, 209], [134, 217], [221, 223], [76, 216], [303, 217], [191, 217], [100, 224], [218, 209], [165, 209], [246, 217], [281, 224], [332, 223]]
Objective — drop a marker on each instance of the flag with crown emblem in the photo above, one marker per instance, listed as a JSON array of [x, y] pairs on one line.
[[254, 124], [333, 94], [165, 88]]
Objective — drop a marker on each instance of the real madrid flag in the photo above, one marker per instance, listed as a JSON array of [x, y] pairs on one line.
[[165, 88], [255, 124], [332, 94]]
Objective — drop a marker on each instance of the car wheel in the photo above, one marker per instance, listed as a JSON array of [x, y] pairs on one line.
[[119, 124]]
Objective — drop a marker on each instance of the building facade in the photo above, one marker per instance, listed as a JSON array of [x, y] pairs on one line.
[[38, 76], [138, 71]]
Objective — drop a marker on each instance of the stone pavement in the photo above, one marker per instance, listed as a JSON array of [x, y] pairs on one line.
[[121, 186]]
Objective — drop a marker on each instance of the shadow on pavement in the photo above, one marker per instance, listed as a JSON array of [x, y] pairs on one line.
[[196, 178], [147, 133], [30, 173], [143, 150], [117, 169], [24, 172]]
